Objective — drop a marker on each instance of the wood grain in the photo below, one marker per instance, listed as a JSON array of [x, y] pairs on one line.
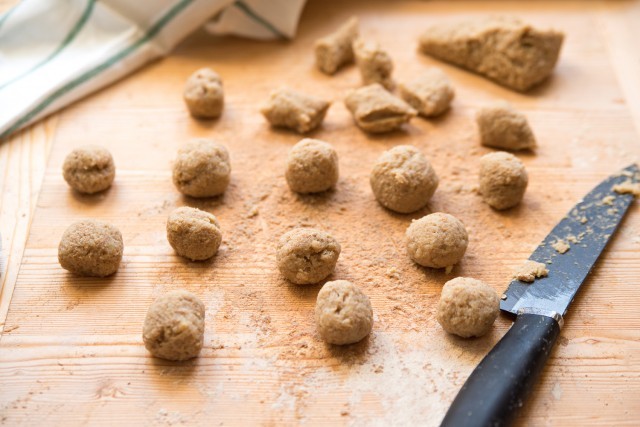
[[71, 352]]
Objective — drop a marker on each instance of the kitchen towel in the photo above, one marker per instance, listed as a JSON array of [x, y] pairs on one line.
[[53, 52]]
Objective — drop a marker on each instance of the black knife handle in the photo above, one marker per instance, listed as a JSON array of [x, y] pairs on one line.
[[499, 385]]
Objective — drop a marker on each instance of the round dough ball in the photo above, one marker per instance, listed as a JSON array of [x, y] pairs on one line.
[[312, 166], [343, 313], [193, 233], [91, 248], [467, 307], [403, 180], [437, 240], [89, 169], [203, 94], [503, 180], [306, 255], [202, 169], [174, 326]]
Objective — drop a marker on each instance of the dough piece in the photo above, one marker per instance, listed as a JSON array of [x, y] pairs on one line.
[[628, 187], [374, 63], [193, 233], [89, 169], [91, 248], [467, 307], [503, 49], [203, 94], [305, 255], [501, 126], [438, 240], [430, 93], [202, 168], [312, 166], [403, 180], [289, 109], [561, 246], [530, 271], [375, 110], [343, 313], [335, 50], [503, 180], [174, 326]]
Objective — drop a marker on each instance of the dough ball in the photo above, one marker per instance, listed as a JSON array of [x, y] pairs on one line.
[[502, 126], [503, 180], [203, 94], [467, 307], [403, 180], [437, 240], [306, 255], [202, 169], [343, 313], [193, 233], [91, 248], [89, 169], [312, 166], [174, 326]]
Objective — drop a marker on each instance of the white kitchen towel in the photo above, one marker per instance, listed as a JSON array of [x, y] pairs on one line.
[[53, 52]]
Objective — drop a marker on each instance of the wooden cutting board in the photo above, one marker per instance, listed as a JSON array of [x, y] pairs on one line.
[[72, 353]]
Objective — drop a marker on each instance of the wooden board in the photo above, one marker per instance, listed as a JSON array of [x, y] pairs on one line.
[[71, 352]]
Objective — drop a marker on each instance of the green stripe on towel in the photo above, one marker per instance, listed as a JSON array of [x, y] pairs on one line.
[[257, 18]]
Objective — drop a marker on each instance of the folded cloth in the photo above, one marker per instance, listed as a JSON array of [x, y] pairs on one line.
[[53, 52]]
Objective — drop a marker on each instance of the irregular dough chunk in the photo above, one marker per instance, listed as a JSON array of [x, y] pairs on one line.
[[193, 233], [306, 255], [335, 50], [438, 240], [374, 63], [89, 169], [530, 271], [91, 248], [503, 180], [289, 109], [203, 94], [467, 307], [202, 169], [503, 49], [312, 166], [501, 126], [403, 180], [343, 313], [174, 326], [430, 93], [375, 110]]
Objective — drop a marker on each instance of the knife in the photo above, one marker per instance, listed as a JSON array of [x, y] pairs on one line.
[[498, 387]]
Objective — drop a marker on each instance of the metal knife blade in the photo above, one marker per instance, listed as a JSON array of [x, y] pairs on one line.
[[587, 229]]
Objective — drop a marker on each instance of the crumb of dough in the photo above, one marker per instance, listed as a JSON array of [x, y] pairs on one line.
[[253, 212], [572, 239], [202, 168], [374, 63], [89, 169], [501, 126], [293, 110], [467, 307], [91, 248], [174, 326], [403, 180], [312, 167], [203, 94], [193, 233], [561, 246], [530, 270], [628, 187], [503, 180], [504, 49], [583, 220], [306, 255], [430, 93], [343, 313], [608, 200], [437, 240], [376, 110], [335, 50]]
